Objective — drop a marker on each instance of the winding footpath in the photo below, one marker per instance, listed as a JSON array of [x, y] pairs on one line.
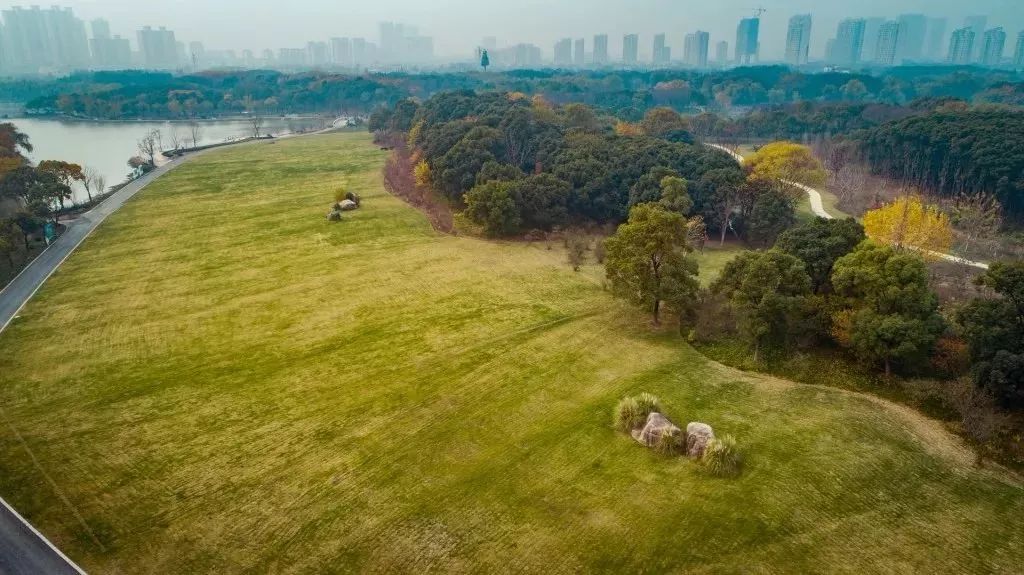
[[818, 208]]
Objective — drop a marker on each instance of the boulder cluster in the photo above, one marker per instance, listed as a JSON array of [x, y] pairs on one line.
[[351, 202], [658, 430]]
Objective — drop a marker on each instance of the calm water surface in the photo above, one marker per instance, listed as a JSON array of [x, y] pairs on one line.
[[106, 146]]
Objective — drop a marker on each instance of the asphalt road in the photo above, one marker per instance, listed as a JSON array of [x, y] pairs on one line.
[[25, 551]]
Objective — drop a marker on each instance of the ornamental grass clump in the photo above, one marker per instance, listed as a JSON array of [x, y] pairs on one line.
[[670, 442], [631, 413], [722, 458]]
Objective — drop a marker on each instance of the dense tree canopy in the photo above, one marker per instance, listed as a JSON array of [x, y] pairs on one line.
[[819, 243]]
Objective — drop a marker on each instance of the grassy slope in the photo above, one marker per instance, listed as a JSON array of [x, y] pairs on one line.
[[222, 381]]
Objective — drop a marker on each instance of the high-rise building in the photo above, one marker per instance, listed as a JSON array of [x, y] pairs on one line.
[[364, 53], [977, 24], [158, 47], [848, 45], [401, 43], [747, 40], [1018, 54], [888, 40], [695, 49], [601, 49], [44, 40], [579, 54], [798, 39], [316, 54], [722, 52], [936, 42], [563, 52], [961, 46], [108, 52], [994, 43], [660, 54], [526, 56], [341, 52], [872, 26], [630, 48], [910, 44]]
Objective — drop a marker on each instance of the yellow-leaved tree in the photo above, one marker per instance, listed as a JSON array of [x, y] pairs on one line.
[[785, 162], [909, 223], [422, 174]]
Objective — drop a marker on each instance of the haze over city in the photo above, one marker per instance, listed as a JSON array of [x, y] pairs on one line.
[[457, 26]]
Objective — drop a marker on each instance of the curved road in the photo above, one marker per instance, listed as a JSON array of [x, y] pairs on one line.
[[818, 207]]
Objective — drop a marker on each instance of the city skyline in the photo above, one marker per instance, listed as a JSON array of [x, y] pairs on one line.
[[907, 37]]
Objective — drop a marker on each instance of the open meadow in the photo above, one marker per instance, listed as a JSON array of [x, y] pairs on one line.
[[220, 380]]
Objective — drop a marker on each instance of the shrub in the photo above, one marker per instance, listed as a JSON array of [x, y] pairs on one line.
[[577, 249], [722, 458], [631, 413]]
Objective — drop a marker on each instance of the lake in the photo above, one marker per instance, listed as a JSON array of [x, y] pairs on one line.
[[106, 146]]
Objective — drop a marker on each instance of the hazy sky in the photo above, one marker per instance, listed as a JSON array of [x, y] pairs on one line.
[[458, 25]]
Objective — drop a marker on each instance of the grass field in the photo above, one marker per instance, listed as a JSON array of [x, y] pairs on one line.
[[221, 381]]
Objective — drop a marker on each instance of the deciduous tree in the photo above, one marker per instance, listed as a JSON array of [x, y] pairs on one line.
[[785, 162], [646, 260], [909, 223]]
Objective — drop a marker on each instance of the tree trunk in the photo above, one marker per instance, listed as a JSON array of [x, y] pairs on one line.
[[725, 226], [657, 306], [888, 368]]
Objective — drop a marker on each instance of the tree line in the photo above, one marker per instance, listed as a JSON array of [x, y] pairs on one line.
[[625, 94]]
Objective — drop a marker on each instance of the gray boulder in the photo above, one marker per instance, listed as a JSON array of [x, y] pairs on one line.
[[697, 437], [334, 216], [347, 205], [657, 425]]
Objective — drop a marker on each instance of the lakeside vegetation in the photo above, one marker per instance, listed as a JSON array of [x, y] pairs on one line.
[[375, 394]]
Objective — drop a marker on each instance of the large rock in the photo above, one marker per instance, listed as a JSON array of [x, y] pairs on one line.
[[657, 425], [697, 437], [347, 205], [334, 216]]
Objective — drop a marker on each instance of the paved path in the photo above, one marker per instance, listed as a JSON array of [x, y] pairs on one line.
[[818, 207], [23, 550]]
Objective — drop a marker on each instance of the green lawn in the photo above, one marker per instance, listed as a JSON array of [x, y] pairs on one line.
[[222, 381]]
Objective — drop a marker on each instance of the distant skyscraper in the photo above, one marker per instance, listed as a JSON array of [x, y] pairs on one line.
[[910, 44], [936, 42], [992, 49], [849, 43], [44, 40], [108, 52], [798, 39], [158, 47], [579, 54], [872, 27], [695, 52], [316, 54], [660, 54], [401, 43], [341, 52], [601, 49], [977, 24], [888, 39], [1018, 54], [722, 52], [961, 46], [630, 48], [747, 40], [563, 52]]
